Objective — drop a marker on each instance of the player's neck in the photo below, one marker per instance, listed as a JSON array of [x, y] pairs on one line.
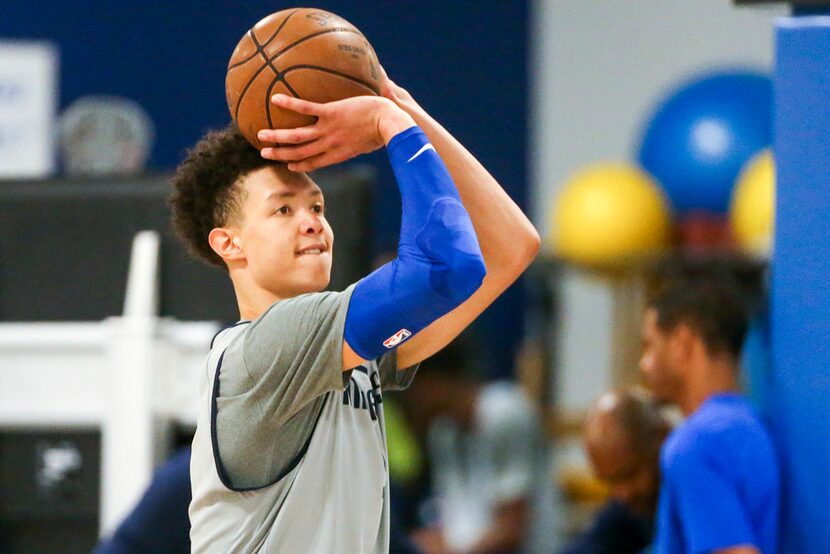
[[249, 312], [252, 299], [712, 376]]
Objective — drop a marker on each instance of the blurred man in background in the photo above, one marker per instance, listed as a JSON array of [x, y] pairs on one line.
[[158, 524], [720, 480], [484, 447], [624, 431]]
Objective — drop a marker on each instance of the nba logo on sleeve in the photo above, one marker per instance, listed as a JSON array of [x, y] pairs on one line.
[[397, 338]]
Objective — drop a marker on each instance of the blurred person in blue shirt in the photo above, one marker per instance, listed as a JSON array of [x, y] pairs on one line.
[[720, 489]]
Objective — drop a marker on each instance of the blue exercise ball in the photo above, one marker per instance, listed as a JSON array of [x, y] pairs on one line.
[[701, 136]]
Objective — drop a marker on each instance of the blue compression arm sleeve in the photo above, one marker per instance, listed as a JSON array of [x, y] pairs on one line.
[[439, 263]]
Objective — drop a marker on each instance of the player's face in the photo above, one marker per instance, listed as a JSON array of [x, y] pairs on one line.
[[284, 232], [659, 362]]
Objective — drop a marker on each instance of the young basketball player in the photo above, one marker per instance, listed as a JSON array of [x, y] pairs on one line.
[[290, 451]]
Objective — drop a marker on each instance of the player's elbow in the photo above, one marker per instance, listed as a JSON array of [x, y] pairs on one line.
[[528, 245], [534, 240], [464, 276], [523, 250]]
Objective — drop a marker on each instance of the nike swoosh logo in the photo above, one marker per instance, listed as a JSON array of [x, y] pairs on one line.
[[423, 149]]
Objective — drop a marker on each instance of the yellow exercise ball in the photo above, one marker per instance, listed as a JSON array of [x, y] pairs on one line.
[[610, 214], [752, 211]]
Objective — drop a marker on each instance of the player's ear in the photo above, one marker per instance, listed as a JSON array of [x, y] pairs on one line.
[[685, 340], [226, 243]]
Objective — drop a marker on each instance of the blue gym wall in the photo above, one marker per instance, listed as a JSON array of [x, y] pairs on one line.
[[800, 287], [465, 61]]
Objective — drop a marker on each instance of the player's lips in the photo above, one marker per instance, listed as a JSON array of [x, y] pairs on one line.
[[314, 249]]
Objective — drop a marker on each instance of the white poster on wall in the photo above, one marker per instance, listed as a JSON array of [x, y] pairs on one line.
[[28, 100]]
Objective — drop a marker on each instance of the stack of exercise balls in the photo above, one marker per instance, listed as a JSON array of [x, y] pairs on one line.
[[610, 215], [752, 209], [703, 179]]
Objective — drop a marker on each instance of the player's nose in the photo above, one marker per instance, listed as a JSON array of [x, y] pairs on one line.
[[311, 224]]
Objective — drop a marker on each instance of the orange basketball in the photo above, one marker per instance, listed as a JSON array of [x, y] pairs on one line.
[[304, 52]]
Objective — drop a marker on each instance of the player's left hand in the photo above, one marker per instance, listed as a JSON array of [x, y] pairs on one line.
[[344, 129], [391, 90]]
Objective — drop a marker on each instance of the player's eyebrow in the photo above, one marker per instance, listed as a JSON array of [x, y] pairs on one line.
[[291, 194]]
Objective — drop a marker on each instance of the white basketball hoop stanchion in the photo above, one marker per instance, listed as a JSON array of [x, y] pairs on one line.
[[133, 377], [127, 445]]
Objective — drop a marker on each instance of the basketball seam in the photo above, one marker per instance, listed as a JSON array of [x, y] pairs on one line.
[[331, 71], [284, 21], [268, 102], [278, 54], [277, 77], [264, 44], [288, 86], [269, 64], [313, 35], [252, 79]]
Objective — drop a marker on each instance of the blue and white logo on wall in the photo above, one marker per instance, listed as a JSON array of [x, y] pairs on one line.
[[28, 99]]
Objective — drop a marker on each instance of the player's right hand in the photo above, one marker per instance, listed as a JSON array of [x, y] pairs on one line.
[[344, 129]]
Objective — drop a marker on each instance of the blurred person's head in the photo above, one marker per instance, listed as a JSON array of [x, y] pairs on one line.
[[693, 330], [624, 431]]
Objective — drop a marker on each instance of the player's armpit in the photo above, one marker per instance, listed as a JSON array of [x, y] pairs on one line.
[[350, 358], [442, 331]]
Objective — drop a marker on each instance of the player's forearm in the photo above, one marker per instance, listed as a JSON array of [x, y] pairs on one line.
[[507, 238], [439, 263]]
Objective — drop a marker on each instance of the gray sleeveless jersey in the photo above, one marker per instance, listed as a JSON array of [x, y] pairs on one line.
[[289, 454]]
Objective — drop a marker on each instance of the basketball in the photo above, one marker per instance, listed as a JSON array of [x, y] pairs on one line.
[[303, 52]]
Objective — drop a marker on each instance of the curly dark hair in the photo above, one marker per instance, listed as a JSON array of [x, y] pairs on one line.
[[206, 195]]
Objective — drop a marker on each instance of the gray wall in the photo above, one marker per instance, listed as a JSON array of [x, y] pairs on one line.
[[600, 65], [597, 69]]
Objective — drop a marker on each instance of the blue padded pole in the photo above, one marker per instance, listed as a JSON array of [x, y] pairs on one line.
[[801, 280]]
